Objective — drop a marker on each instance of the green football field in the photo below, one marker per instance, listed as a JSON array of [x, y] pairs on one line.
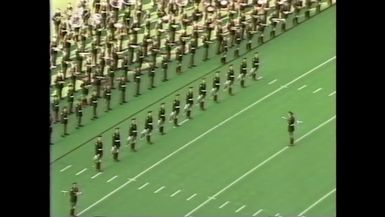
[[230, 160]]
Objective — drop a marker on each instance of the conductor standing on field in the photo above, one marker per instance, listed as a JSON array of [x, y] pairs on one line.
[[291, 126], [73, 192]]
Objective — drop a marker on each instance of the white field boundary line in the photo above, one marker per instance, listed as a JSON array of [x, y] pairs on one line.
[[202, 135], [256, 167], [317, 202]]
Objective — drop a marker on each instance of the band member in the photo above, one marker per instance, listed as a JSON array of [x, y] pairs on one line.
[[230, 79], [59, 84], [165, 67], [161, 118], [115, 144], [148, 127], [238, 42], [193, 49], [202, 94], [206, 44], [216, 86], [133, 133], [70, 98], [151, 74], [255, 66], [137, 80], [122, 88], [94, 101], [79, 113], [243, 72], [189, 102], [64, 120], [55, 107], [175, 110], [107, 96], [225, 49], [291, 126], [74, 192], [98, 153]]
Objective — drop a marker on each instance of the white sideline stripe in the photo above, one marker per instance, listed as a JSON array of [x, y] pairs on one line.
[[112, 178], [302, 87], [159, 189], [256, 167], [317, 90], [240, 208], [256, 213], [144, 185], [197, 138], [191, 197], [271, 82], [80, 172], [97, 174], [318, 201], [65, 168], [332, 93], [224, 204], [175, 193]]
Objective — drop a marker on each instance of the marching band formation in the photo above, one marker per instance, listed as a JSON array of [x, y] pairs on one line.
[[103, 41]]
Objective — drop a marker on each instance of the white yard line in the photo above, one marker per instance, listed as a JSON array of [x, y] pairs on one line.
[[191, 197], [112, 178], [332, 93], [159, 189], [224, 204], [96, 175], [317, 90], [240, 208], [272, 82], [317, 202], [80, 172], [303, 86], [256, 213], [144, 185], [175, 193]]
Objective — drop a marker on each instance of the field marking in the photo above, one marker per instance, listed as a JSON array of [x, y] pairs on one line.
[[318, 201], [81, 171], [277, 214], [332, 93], [184, 121], [112, 178], [65, 168], [144, 185], [175, 193], [97, 174], [256, 167], [240, 208], [159, 189], [317, 90], [256, 213], [303, 86], [191, 197], [271, 82], [202, 135], [224, 204]]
